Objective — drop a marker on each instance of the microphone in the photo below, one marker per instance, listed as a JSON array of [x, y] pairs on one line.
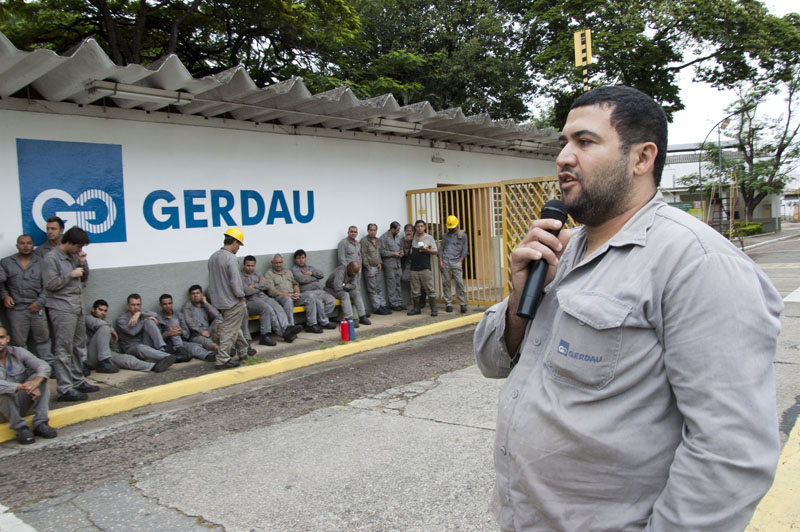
[[537, 270]]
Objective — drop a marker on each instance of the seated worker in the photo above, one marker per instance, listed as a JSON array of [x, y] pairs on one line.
[[101, 358], [176, 334], [201, 318], [138, 332], [307, 278], [23, 387], [343, 284], [23, 297], [272, 317], [282, 286]]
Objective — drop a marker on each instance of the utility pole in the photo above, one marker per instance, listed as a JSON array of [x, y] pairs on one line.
[[583, 53]]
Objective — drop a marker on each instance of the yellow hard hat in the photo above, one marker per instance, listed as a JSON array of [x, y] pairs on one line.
[[452, 222], [236, 233]]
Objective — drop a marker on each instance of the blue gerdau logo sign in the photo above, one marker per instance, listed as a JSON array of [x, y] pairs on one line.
[[78, 181]]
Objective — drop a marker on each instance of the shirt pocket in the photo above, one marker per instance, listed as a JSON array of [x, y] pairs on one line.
[[586, 342]]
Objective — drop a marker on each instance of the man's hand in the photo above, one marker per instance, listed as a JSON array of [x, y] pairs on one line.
[[380, 267], [34, 307], [114, 336], [538, 244], [206, 334], [308, 272], [8, 301], [77, 272], [82, 258], [31, 387], [153, 319], [398, 254], [441, 263], [174, 330], [295, 296], [134, 319]]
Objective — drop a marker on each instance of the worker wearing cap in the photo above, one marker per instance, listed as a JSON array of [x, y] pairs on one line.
[[226, 292], [453, 250]]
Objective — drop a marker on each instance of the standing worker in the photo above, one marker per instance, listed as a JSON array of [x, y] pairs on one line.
[[423, 246], [226, 292], [451, 263]]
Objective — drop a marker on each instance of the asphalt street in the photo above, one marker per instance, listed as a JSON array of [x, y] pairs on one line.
[[401, 447]]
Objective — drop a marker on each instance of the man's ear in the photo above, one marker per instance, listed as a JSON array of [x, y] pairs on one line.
[[643, 157]]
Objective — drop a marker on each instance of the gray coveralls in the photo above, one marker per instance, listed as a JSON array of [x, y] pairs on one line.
[[392, 269], [284, 281], [309, 284], [20, 366], [272, 317], [64, 303], [182, 340], [225, 291], [370, 259], [98, 347], [25, 287], [452, 253], [199, 319], [142, 340], [344, 287]]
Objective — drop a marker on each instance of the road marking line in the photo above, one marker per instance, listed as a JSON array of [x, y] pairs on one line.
[[11, 523], [794, 297]]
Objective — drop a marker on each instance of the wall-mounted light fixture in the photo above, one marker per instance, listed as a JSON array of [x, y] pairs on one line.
[[138, 93]]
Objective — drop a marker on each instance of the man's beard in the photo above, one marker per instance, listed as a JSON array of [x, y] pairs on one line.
[[605, 197]]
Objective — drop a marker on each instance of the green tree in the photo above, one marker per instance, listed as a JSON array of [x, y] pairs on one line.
[[769, 147]]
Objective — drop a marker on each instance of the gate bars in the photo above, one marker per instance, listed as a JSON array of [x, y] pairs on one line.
[[495, 217]]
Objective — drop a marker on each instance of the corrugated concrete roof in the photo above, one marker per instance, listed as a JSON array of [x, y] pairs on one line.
[[87, 76]]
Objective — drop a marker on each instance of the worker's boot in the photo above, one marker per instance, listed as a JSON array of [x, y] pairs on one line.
[[416, 309], [434, 312]]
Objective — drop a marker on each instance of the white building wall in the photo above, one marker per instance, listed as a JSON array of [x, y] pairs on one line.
[[351, 181]]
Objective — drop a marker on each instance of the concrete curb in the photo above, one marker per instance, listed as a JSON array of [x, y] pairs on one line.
[[778, 510], [759, 244], [167, 392]]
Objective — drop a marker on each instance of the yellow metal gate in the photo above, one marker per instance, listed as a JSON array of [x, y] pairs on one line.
[[495, 216]]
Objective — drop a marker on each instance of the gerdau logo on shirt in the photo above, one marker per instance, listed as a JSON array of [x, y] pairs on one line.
[[563, 350]]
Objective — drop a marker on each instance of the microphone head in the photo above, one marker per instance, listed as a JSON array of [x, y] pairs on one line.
[[555, 209]]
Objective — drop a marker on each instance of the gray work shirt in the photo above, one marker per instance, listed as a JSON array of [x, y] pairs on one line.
[[198, 318], [391, 244], [370, 253], [307, 282], [348, 251], [259, 285], [20, 366], [339, 280], [224, 279], [454, 247], [93, 323], [24, 286], [644, 396], [63, 291], [131, 335]]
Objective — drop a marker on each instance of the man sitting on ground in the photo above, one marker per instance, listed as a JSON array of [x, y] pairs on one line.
[[23, 387], [308, 278], [101, 358], [201, 318], [343, 284], [176, 333], [138, 332], [282, 286], [272, 317]]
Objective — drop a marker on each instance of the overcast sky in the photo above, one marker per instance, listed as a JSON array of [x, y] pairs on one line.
[[705, 106]]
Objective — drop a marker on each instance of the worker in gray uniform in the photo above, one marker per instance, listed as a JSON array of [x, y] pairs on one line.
[[391, 255], [23, 296], [343, 285], [64, 273], [138, 332], [272, 317], [308, 278], [101, 358], [54, 229], [23, 387], [282, 286], [226, 294], [423, 246], [201, 318], [452, 252], [372, 264], [176, 334]]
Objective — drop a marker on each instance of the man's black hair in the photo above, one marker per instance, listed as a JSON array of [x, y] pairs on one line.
[[298, 253], [249, 257], [162, 297], [75, 235], [229, 240], [420, 222], [195, 287], [56, 219], [635, 116], [99, 302], [394, 225], [134, 296]]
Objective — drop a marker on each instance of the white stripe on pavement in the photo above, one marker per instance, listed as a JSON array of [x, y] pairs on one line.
[[794, 297], [11, 523]]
